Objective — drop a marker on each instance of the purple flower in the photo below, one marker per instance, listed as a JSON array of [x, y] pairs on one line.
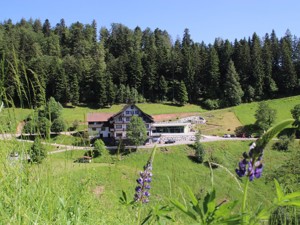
[[251, 164], [258, 171], [142, 193], [140, 181], [138, 189]]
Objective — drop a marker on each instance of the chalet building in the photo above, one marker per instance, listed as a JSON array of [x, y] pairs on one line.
[[109, 125]]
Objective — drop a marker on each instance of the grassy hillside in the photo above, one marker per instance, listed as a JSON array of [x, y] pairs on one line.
[[218, 121], [245, 112], [61, 192]]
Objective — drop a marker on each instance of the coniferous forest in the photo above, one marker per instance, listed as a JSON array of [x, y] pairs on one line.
[[83, 64]]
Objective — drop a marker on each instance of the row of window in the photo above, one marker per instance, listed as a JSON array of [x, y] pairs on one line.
[[119, 126], [132, 112]]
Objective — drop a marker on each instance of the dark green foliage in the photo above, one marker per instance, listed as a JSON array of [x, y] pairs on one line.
[[182, 94], [136, 131], [211, 104], [58, 125], [233, 92], [53, 109], [296, 115], [283, 143], [264, 116], [37, 151], [71, 65], [257, 76], [43, 127]]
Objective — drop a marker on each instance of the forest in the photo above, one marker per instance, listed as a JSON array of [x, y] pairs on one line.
[[81, 64]]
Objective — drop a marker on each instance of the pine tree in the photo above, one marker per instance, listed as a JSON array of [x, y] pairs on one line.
[[288, 74], [242, 62], [110, 91], [188, 64], [233, 92], [182, 94], [120, 97], [270, 86], [257, 76], [46, 28], [149, 65], [213, 75]]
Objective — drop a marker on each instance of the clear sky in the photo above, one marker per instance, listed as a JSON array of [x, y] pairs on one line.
[[206, 20]]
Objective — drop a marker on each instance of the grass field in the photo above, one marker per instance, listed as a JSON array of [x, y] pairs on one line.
[[219, 122], [245, 112], [62, 192]]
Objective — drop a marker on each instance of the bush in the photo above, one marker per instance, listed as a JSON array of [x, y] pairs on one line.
[[37, 151], [92, 153], [283, 143], [29, 127], [211, 103], [58, 125]]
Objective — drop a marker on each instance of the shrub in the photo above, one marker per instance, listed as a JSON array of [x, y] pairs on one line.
[[58, 125], [211, 103], [283, 143], [37, 151], [29, 127]]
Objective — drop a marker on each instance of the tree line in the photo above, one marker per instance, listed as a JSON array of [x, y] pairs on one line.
[[76, 64]]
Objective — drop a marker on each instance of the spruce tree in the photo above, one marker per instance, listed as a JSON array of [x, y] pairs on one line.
[[270, 86], [233, 92], [213, 75], [288, 74], [182, 94], [257, 76]]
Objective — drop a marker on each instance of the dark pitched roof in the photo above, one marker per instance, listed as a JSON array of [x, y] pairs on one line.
[[126, 106]]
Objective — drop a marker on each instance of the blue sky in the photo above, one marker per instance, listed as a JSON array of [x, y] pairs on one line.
[[206, 20]]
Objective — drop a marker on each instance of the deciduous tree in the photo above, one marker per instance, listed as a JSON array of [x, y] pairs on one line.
[[136, 131]]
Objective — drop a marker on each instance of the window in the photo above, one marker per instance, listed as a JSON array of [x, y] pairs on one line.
[[120, 118], [147, 125], [118, 126], [127, 112], [127, 118], [103, 128], [131, 107], [136, 112]]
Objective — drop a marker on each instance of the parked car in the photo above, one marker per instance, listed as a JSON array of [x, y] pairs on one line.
[[226, 136], [169, 141]]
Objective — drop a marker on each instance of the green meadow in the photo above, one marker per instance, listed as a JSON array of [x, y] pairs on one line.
[[245, 112], [59, 191]]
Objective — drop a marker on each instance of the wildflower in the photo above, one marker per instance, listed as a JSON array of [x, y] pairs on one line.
[[251, 164], [142, 190], [143, 181]]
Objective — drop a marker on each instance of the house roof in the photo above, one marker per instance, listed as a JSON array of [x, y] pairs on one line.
[[126, 106], [98, 117]]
